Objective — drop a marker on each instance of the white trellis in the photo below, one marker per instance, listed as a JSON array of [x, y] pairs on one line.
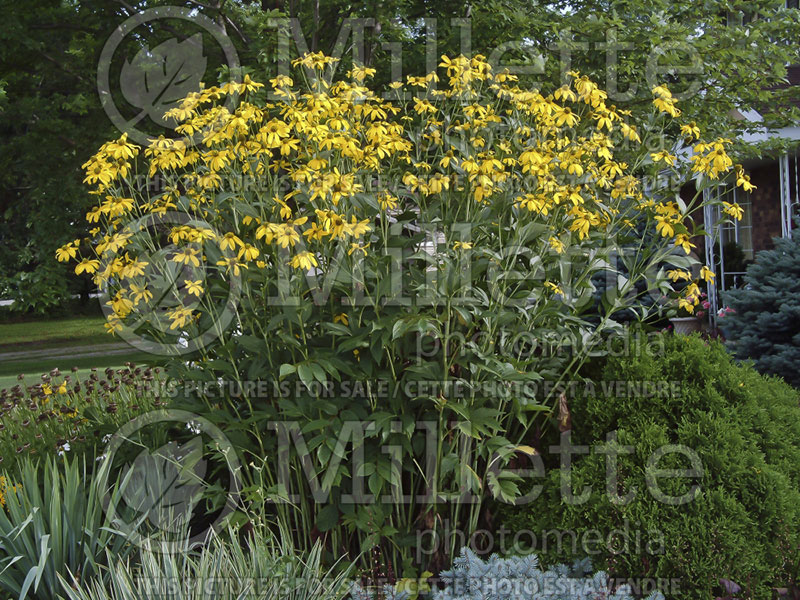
[[790, 191], [711, 220], [789, 183]]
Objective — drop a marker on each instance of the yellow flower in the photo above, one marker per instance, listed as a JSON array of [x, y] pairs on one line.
[[66, 252], [98, 170], [423, 106], [232, 264], [87, 266], [687, 304], [179, 317], [341, 318], [5, 488], [268, 231], [248, 85], [462, 246], [664, 101], [281, 81], [134, 268], [120, 148], [273, 132], [287, 236], [664, 156], [248, 252], [62, 389], [354, 247], [285, 210], [187, 256], [447, 159], [303, 260], [662, 91], [566, 117], [121, 305], [743, 180], [664, 225], [387, 201], [194, 287], [230, 241], [565, 93], [733, 209], [678, 274], [556, 244], [113, 324], [357, 228], [315, 60], [581, 224], [138, 294], [691, 130], [359, 73], [707, 274], [553, 287], [682, 241], [216, 159]]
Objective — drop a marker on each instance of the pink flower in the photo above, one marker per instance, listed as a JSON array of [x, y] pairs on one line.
[[701, 313], [706, 304]]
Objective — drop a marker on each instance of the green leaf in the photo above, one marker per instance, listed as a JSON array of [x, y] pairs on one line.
[[286, 370], [327, 518]]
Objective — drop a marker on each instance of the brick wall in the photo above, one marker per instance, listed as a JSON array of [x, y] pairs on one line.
[[766, 206]]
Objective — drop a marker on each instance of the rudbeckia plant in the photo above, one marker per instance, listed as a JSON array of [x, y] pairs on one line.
[[409, 273]]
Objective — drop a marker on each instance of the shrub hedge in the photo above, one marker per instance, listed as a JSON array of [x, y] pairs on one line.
[[742, 525]]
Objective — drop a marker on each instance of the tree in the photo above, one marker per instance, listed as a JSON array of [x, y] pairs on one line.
[[727, 55], [51, 122], [766, 324]]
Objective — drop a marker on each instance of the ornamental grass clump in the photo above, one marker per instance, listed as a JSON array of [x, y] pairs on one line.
[[424, 255], [53, 524], [264, 566]]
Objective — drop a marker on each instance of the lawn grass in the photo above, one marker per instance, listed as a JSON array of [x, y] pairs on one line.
[[55, 333], [79, 334], [32, 369]]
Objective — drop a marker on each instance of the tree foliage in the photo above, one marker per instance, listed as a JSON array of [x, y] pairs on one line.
[[736, 54], [766, 325]]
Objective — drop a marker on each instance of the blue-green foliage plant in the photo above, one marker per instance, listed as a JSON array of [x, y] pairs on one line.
[[764, 325], [522, 578], [517, 578]]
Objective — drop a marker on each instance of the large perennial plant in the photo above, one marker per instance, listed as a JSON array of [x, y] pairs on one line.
[[419, 261]]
